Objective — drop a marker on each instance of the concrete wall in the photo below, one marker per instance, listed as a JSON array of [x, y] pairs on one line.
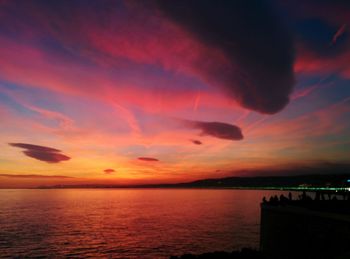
[[295, 232]]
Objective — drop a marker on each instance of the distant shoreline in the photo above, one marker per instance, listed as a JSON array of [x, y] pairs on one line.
[[178, 188], [283, 183], [186, 188], [337, 182]]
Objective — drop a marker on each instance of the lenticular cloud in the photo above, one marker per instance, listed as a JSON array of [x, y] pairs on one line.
[[42, 153]]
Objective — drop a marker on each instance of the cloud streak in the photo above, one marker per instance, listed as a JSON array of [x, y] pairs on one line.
[[42, 153], [148, 159], [35, 176], [338, 34]]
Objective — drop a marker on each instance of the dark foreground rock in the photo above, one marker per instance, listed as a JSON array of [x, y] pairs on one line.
[[245, 253]]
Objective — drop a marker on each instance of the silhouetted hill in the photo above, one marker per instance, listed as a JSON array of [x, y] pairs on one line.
[[273, 181]]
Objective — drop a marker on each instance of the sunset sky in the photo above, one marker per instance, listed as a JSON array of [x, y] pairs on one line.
[[169, 91]]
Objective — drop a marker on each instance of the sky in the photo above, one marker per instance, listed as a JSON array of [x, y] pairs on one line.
[[160, 91]]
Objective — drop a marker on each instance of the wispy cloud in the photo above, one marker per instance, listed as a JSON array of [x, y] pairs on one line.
[[339, 33]]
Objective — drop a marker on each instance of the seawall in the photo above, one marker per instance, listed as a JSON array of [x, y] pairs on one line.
[[292, 231]]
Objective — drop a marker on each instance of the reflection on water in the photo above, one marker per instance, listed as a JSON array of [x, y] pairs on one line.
[[127, 223]]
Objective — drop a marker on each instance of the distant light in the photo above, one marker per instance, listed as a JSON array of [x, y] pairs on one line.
[[348, 180]]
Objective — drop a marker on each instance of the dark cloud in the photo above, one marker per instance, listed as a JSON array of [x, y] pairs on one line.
[[34, 147], [196, 142], [148, 159], [259, 72], [109, 171], [47, 154], [217, 129]]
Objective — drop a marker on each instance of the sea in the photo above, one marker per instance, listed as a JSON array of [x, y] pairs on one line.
[[127, 223]]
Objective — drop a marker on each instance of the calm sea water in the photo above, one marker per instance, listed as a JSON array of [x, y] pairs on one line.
[[127, 223]]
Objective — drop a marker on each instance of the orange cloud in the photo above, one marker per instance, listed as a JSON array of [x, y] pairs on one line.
[[109, 171]]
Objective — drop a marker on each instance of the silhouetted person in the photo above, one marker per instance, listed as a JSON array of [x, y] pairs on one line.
[[344, 196], [318, 196], [290, 196], [264, 200], [283, 199], [273, 200], [303, 196], [329, 196]]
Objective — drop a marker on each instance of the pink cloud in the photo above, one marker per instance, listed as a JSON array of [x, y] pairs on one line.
[[339, 33], [310, 63]]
